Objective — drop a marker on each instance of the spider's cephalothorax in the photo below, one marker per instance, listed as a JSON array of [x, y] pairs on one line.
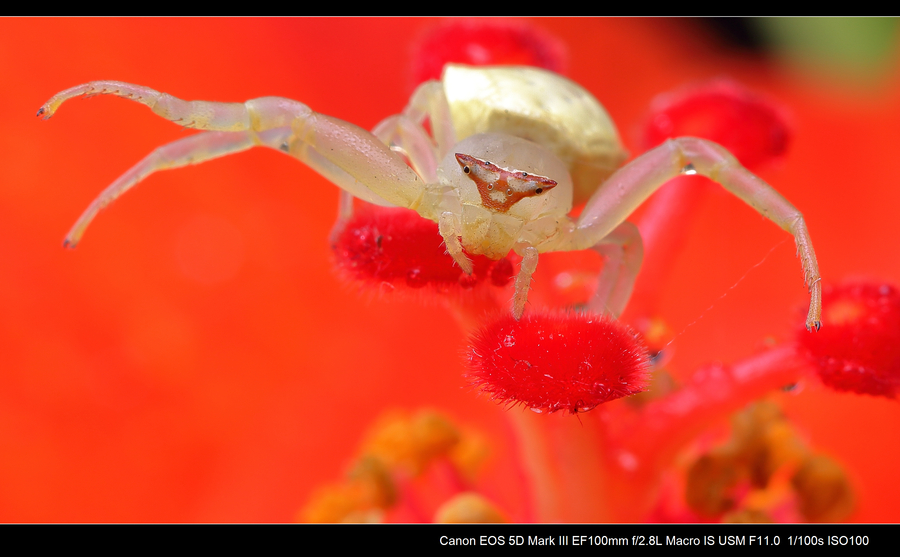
[[528, 138]]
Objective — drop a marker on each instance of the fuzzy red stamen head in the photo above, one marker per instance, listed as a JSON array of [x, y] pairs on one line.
[[388, 246], [485, 42], [753, 128], [557, 361], [858, 347]]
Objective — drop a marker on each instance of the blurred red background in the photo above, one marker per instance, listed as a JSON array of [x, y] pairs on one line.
[[195, 359]]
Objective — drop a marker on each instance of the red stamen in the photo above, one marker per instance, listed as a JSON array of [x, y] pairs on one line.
[[557, 361], [858, 347], [485, 42], [397, 246], [753, 128]]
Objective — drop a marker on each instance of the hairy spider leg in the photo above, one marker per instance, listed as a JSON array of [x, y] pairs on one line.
[[404, 136], [428, 102], [409, 140], [623, 249], [621, 194], [405, 133], [349, 156], [527, 268], [190, 150]]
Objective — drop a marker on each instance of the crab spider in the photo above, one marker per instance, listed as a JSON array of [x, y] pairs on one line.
[[507, 147]]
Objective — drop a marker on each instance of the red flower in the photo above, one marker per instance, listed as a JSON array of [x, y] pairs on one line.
[[135, 389]]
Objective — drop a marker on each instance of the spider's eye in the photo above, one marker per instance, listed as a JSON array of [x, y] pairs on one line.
[[539, 190], [525, 175], [466, 169]]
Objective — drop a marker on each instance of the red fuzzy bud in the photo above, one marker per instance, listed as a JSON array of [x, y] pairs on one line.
[[398, 247], [753, 128], [485, 42], [557, 361], [858, 347]]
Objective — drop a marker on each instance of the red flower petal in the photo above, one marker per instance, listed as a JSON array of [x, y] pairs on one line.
[[858, 347], [753, 128], [557, 361]]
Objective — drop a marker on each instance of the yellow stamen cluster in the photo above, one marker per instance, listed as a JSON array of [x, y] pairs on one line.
[[400, 448], [761, 468]]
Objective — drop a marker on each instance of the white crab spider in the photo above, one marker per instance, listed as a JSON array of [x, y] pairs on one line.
[[506, 148]]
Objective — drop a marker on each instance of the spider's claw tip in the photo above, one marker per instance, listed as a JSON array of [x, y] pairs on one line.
[[69, 244]]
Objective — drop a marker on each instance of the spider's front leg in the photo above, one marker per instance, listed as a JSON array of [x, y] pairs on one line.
[[631, 185], [406, 135], [345, 154], [190, 150], [523, 280], [623, 250]]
